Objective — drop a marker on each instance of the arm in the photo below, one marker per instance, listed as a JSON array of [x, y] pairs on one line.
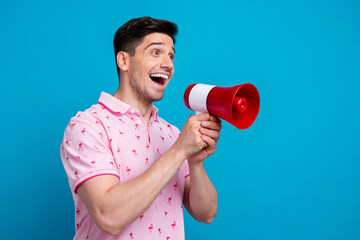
[[200, 196], [113, 206]]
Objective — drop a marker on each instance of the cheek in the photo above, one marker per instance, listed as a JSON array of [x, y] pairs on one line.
[[172, 73]]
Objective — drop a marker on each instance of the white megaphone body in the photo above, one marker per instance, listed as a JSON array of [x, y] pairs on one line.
[[239, 105]]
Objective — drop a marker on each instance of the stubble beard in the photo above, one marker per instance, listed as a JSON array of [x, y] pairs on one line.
[[144, 95]]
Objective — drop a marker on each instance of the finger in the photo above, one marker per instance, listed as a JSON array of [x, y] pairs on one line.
[[202, 116], [209, 142], [211, 125], [215, 119], [210, 133]]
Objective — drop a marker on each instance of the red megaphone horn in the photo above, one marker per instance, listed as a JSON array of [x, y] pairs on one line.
[[239, 105]]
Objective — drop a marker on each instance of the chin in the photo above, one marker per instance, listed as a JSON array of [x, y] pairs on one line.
[[158, 98]]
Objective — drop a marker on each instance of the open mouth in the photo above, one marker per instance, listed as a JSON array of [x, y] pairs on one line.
[[159, 78]]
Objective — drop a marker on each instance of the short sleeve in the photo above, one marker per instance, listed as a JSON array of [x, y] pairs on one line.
[[85, 151]]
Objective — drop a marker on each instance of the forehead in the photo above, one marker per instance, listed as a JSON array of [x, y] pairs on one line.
[[160, 38]]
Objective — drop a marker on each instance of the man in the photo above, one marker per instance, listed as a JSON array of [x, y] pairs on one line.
[[129, 170]]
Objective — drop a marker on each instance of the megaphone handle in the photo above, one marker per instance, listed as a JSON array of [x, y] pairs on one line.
[[197, 112]]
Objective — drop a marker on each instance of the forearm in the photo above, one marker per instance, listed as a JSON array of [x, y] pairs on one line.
[[123, 203], [202, 197]]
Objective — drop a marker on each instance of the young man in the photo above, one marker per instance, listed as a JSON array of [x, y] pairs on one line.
[[129, 170]]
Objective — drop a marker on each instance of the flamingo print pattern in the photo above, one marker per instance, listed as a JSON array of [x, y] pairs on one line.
[[135, 153], [173, 225], [83, 131], [150, 228], [80, 147], [128, 170], [110, 138]]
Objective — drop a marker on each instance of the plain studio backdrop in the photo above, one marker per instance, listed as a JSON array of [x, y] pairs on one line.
[[294, 174]]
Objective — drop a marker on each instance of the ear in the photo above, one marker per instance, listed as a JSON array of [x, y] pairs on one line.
[[122, 60]]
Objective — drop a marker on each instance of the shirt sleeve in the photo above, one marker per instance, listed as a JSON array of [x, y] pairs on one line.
[[85, 151]]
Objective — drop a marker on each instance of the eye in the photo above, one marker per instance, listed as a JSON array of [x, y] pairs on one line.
[[171, 56], [155, 52]]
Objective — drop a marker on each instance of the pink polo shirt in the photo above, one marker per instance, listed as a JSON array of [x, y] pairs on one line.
[[111, 138]]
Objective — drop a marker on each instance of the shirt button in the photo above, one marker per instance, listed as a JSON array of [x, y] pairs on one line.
[[139, 121], [132, 110]]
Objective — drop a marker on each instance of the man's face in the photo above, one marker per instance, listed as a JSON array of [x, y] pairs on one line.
[[151, 68]]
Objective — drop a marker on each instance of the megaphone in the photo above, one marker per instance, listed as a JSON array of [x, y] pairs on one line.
[[239, 105]]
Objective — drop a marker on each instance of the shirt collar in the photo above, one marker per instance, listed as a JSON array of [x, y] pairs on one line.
[[117, 106]]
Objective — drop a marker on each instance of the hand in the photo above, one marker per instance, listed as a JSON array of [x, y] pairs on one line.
[[199, 137], [210, 134]]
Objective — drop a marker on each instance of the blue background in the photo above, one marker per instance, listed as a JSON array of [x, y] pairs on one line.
[[294, 174]]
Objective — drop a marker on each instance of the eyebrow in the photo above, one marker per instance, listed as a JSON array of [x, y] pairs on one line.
[[157, 43]]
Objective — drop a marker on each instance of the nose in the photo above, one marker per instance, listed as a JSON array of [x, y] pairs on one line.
[[167, 63]]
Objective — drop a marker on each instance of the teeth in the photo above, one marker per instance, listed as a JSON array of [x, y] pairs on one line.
[[159, 75]]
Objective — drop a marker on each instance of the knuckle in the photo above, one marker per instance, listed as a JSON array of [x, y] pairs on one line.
[[194, 129]]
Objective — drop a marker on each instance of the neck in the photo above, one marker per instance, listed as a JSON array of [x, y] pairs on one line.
[[125, 96]]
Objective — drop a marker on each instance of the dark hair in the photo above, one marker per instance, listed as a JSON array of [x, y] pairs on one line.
[[131, 34]]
